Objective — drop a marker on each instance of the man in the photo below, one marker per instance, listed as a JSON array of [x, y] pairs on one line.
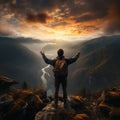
[[60, 69]]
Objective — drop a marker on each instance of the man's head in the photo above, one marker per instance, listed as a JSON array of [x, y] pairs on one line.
[[60, 52]]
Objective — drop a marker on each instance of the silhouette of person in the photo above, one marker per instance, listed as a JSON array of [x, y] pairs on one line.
[[60, 76]]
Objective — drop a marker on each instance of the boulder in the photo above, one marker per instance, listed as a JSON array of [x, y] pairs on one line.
[[19, 104], [5, 80], [81, 117], [115, 113], [104, 109], [50, 113], [60, 114], [76, 110], [34, 102], [16, 110], [109, 103], [77, 102], [5, 99], [5, 83], [113, 98]]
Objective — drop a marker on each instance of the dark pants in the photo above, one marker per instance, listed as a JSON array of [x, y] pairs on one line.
[[63, 82]]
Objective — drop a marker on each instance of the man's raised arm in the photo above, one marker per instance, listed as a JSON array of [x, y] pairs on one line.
[[47, 60], [73, 59]]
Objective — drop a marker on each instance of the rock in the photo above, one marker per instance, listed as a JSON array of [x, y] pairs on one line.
[[101, 98], [17, 106], [5, 83], [38, 100], [115, 113], [6, 99], [5, 80], [113, 98], [78, 98], [60, 114], [6, 102], [25, 95], [50, 113], [18, 93], [77, 102], [34, 101], [109, 105], [13, 110], [104, 109], [81, 117]]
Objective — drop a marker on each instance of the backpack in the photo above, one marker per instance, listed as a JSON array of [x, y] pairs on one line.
[[60, 68]]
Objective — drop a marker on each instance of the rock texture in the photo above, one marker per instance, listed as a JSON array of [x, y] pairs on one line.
[[50, 113], [70, 113], [5, 83], [109, 105], [20, 104]]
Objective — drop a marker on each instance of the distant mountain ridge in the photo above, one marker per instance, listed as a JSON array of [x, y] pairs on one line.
[[17, 62], [99, 64]]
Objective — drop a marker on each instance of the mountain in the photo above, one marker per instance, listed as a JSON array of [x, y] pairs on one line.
[[99, 64], [17, 62], [97, 68]]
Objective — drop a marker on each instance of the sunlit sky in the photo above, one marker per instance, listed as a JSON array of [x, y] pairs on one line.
[[59, 19]]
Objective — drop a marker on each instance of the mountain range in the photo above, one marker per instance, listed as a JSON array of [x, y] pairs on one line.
[[97, 68], [17, 62], [99, 64]]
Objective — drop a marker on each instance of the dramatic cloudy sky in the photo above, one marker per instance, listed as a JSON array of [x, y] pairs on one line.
[[59, 19]]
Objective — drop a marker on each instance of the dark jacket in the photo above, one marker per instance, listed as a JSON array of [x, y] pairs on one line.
[[53, 61]]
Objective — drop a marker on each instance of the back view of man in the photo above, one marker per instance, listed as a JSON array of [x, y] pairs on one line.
[[60, 69]]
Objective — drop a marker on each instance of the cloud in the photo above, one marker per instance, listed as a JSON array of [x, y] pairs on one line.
[[108, 12], [113, 24], [41, 17], [5, 31], [79, 16]]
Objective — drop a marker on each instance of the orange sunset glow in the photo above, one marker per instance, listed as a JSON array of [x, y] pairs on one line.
[[59, 19]]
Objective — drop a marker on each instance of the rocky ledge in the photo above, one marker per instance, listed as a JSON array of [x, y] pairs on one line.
[[76, 110]]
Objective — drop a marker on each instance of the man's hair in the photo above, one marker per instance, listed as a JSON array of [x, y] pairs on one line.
[[60, 52]]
